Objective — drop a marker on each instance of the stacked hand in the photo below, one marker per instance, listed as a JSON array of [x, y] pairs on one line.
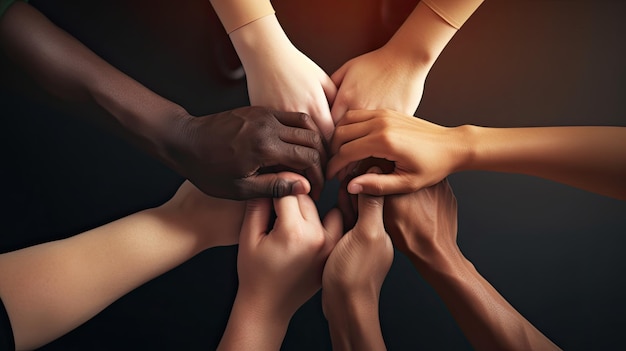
[[225, 154]]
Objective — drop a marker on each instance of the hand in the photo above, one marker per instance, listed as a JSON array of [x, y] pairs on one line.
[[423, 153], [226, 154], [281, 77], [424, 223], [359, 263], [352, 279], [282, 269], [189, 209], [378, 80]]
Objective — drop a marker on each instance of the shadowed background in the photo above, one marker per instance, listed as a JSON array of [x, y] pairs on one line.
[[554, 252]]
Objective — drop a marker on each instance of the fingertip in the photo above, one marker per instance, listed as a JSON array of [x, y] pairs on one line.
[[354, 188], [297, 188]]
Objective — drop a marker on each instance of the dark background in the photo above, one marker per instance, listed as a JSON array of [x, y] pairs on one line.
[[554, 252]]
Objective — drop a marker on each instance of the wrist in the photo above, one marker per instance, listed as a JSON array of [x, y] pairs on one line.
[[464, 142], [353, 321], [260, 40], [251, 326], [421, 38], [145, 118]]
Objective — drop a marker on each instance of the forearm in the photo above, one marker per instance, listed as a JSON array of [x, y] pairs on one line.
[[254, 326], [235, 14], [590, 158], [421, 38], [488, 321], [51, 288], [69, 70], [353, 322]]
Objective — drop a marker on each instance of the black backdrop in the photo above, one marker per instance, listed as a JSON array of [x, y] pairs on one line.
[[553, 251]]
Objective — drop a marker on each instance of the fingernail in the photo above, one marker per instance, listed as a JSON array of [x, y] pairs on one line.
[[375, 170], [298, 188], [355, 189]]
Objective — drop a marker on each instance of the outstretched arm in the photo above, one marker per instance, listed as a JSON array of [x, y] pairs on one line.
[[278, 271], [279, 76], [592, 158], [423, 225], [51, 288], [222, 156]]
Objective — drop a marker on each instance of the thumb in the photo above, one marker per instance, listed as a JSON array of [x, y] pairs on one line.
[[274, 185], [370, 208], [380, 184], [255, 220], [333, 224]]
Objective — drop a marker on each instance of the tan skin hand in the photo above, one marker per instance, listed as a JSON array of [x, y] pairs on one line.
[[423, 153], [353, 276], [285, 266], [423, 220]]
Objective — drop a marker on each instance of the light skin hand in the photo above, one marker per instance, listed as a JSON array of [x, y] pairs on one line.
[[353, 277], [281, 77], [278, 271], [423, 225], [422, 153]]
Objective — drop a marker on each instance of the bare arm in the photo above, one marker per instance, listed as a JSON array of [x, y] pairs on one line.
[[592, 158], [51, 288], [423, 225]]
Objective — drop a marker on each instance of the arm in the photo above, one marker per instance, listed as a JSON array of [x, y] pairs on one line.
[[278, 75], [393, 76], [353, 276], [197, 148], [278, 271], [424, 153], [51, 288], [423, 225]]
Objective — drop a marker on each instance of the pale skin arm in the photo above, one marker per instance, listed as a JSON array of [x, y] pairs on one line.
[[423, 226], [278, 271], [51, 288], [592, 158], [278, 75]]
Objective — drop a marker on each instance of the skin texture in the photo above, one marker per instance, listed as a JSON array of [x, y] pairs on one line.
[[52, 288], [281, 77], [590, 158], [163, 129], [393, 76], [246, 144], [353, 277], [423, 226], [278, 270]]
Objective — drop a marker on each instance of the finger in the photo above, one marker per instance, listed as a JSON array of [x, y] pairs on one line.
[[370, 211], [308, 209], [356, 150], [330, 88], [339, 108], [347, 133], [347, 207], [382, 184], [304, 137], [273, 185], [296, 120], [302, 158], [356, 116], [287, 211], [255, 220], [333, 225]]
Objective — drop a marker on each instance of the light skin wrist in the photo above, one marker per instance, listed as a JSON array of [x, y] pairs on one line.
[[259, 40], [254, 325], [421, 38]]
